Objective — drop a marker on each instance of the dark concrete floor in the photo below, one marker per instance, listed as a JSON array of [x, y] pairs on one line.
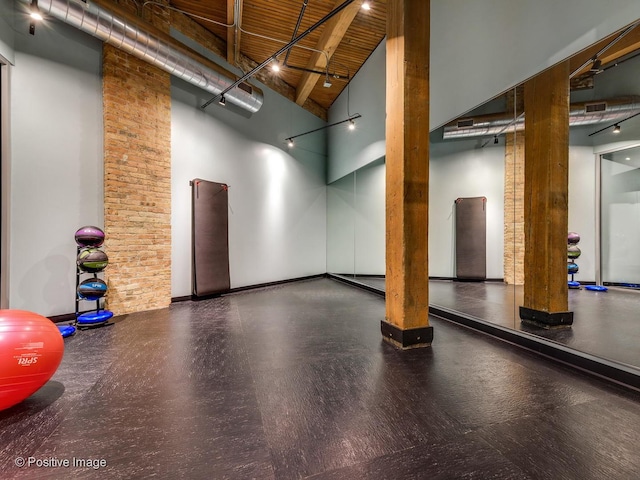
[[295, 381], [606, 324]]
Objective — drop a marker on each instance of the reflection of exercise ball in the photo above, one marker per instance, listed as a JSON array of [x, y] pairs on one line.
[[92, 289], [573, 238], [31, 349], [572, 268], [89, 236], [92, 260], [573, 251]]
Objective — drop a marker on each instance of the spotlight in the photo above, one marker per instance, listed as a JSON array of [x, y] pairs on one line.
[[366, 5], [289, 143], [35, 11], [275, 66], [35, 15], [495, 139], [616, 128], [352, 125], [222, 101]]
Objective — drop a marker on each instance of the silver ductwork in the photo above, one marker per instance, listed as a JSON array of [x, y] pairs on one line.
[[583, 113], [125, 35]]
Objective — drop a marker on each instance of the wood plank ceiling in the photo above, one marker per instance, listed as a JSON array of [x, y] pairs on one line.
[[264, 26]]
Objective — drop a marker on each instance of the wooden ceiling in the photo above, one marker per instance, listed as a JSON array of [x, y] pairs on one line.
[[265, 26]]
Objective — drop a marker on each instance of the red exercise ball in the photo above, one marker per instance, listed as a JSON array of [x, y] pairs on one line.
[[31, 350]]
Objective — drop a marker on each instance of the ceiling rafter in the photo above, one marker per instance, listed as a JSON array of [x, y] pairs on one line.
[[331, 37], [231, 32], [627, 44], [234, 33]]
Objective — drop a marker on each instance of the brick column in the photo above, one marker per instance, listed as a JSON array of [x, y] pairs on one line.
[[514, 196], [137, 182]]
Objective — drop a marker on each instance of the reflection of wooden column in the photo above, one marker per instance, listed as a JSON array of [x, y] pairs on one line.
[[407, 166], [546, 102]]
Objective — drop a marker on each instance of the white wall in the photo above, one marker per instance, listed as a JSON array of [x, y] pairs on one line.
[[341, 225], [370, 219], [56, 163], [277, 198], [462, 169], [350, 150]]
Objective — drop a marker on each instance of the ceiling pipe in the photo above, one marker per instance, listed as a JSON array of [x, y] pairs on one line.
[[126, 34], [582, 113]]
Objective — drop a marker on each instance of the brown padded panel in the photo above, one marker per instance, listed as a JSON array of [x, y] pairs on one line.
[[210, 237], [471, 238]]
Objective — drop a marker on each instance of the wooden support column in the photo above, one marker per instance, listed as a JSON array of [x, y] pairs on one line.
[[546, 104], [407, 179]]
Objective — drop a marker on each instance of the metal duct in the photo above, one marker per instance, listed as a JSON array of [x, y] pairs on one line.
[[125, 35], [583, 113]]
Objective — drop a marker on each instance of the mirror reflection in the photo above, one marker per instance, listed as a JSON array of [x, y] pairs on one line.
[[476, 203]]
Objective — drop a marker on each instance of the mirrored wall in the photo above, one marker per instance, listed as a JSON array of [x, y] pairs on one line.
[[481, 155]]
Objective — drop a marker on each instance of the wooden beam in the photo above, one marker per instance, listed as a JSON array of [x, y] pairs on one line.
[[627, 44], [407, 174], [546, 103], [231, 32], [332, 35]]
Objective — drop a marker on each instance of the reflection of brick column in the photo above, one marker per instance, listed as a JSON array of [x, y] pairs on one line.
[[137, 182], [514, 199]]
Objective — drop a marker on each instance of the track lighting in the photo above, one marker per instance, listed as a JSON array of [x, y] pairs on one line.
[[352, 126], [495, 139], [616, 128], [35, 15], [327, 82], [275, 66], [366, 5], [222, 101]]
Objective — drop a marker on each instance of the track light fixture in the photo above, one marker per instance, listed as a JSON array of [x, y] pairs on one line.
[[495, 139], [327, 82], [222, 101], [366, 5], [616, 126], [275, 66], [35, 15], [352, 126]]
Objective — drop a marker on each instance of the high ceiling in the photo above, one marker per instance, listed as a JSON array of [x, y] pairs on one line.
[[257, 29]]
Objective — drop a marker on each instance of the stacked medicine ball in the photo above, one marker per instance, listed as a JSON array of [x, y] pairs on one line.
[[91, 260]]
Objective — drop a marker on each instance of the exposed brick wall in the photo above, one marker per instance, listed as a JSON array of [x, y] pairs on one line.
[[137, 183], [514, 195], [514, 209]]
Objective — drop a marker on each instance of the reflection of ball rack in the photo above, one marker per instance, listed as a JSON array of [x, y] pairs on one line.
[[90, 260], [573, 252]]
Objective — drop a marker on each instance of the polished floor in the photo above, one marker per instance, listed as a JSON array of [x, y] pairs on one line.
[[606, 324], [295, 382]]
